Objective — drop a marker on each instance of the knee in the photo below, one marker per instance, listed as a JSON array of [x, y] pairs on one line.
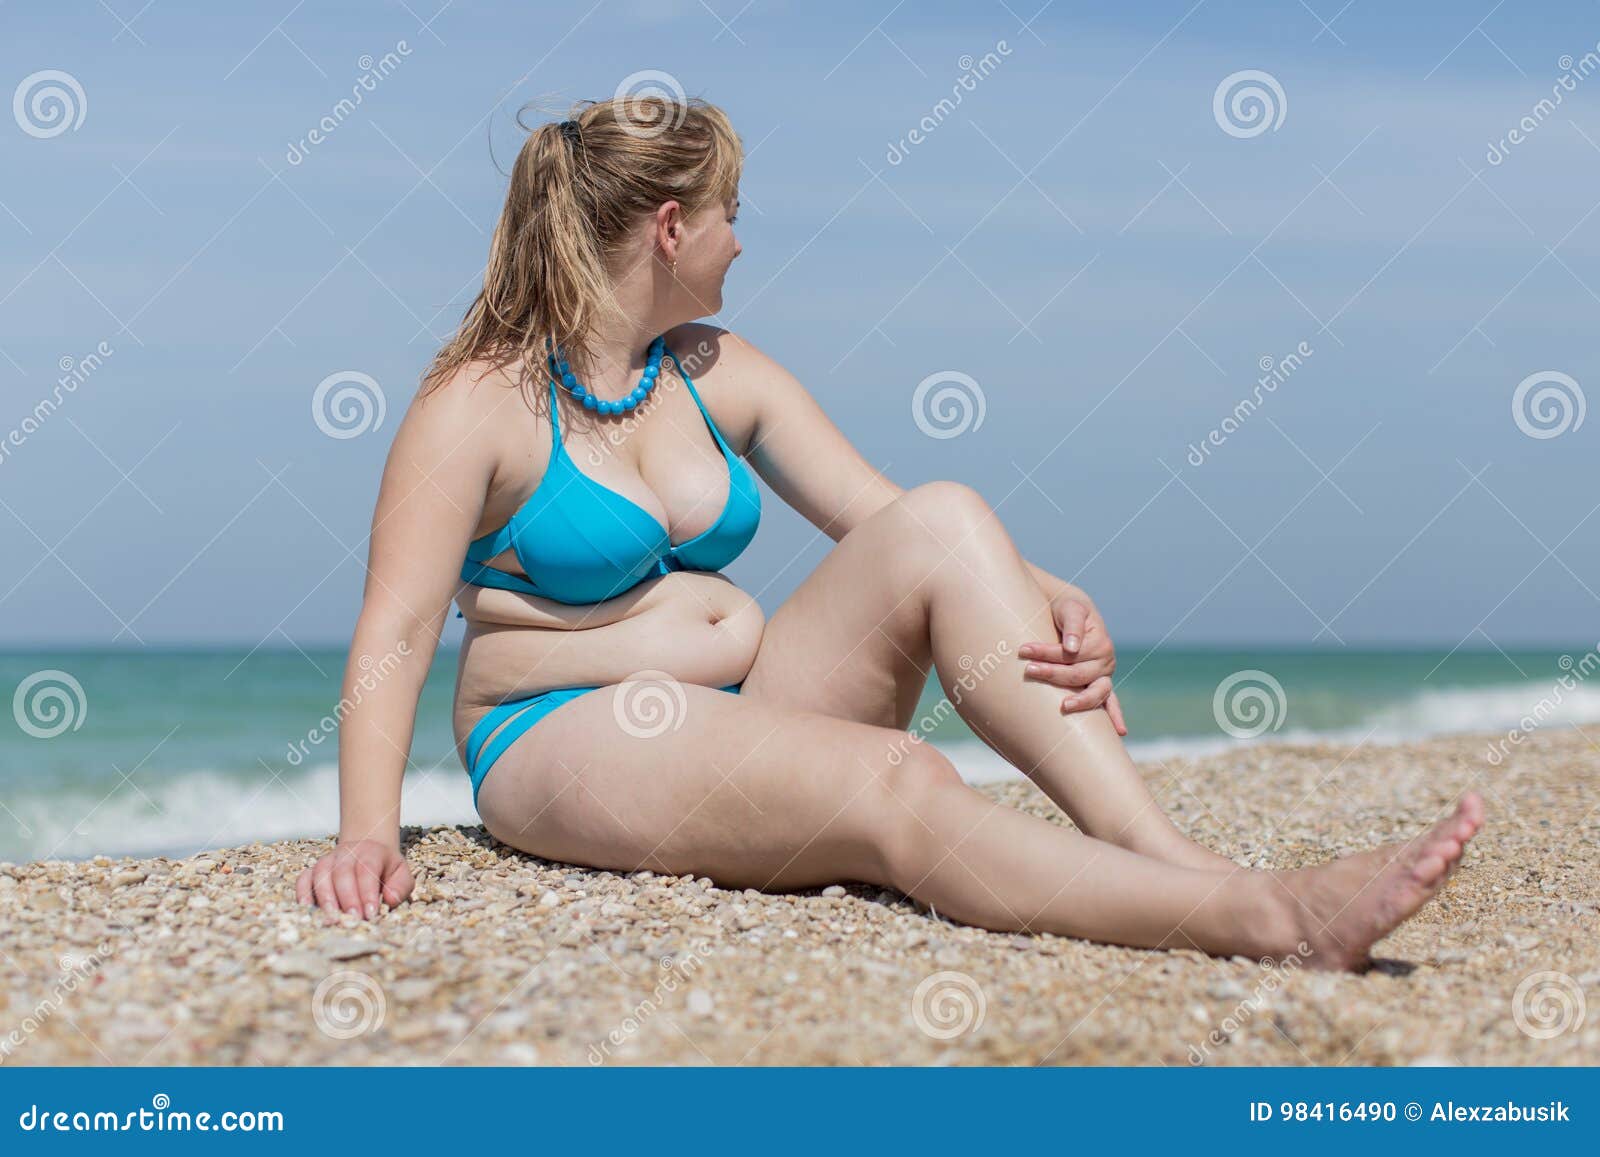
[[945, 515], [938, 521], [945, 501], [910, 798]]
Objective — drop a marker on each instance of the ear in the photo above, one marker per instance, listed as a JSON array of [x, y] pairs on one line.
[[669, 227]]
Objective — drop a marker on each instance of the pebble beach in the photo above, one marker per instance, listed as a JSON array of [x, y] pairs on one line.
[[500, 958]]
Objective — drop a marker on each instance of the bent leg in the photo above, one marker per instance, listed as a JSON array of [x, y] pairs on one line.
[[934, 580]]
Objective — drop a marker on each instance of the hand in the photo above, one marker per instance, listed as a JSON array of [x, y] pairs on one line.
[[354, 877], [1083, 658]]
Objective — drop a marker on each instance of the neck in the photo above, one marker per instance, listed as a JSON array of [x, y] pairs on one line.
[[620, 356], [619, 349], [645, 300], [616, 365]]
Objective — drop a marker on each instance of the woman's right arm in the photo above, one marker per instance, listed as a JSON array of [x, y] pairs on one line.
[[429, 504]]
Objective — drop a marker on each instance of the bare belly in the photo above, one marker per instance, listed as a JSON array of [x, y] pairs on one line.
[[696, 627]]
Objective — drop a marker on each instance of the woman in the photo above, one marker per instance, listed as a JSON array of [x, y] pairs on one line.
[[592, 600]]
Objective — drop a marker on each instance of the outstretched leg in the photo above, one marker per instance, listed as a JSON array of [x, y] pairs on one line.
[[934, 580], [686, 779], [1330, 915]]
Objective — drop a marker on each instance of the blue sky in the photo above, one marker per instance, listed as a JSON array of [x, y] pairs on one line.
[[1081, 237]]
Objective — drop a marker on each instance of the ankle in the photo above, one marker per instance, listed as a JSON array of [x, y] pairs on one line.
[[1270, 916]]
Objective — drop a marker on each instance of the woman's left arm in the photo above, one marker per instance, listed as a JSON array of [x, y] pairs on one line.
[[812, 466]]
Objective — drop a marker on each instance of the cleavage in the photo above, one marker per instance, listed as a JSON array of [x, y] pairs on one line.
[[696, 487]]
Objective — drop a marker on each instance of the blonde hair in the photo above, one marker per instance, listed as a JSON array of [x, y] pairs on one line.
[[577, 188]]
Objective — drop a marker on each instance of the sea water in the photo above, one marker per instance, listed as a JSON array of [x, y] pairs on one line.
[[169, 752]]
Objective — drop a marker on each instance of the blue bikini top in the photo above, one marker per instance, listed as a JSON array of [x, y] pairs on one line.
[[580, 542]]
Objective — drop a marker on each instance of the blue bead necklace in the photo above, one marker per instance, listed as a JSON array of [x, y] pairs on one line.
[[562, 372]]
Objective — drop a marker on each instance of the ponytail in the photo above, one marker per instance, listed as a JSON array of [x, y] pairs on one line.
[[576, 190]]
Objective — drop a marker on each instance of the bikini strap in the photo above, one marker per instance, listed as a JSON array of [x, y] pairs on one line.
[[555, 417], [704, 413]]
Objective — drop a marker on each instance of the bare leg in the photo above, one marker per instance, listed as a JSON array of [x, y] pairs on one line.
[[1329, 915], [757, 796], [933, 579]]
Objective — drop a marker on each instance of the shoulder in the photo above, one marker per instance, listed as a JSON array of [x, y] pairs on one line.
[[729, 364], [699, 347], [733, 376], [471, 392], [712, 350], [467, 411]]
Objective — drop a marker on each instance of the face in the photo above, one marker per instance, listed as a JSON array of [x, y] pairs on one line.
[[707, 248]]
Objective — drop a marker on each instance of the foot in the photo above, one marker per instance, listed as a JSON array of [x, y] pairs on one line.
[[1345, 907]]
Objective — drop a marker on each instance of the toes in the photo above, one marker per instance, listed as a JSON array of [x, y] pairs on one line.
[[1452, 830], [1428, 869], [1468, 816]]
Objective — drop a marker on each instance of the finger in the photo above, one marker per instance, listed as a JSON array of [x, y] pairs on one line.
[[1096, 641], [1074, 621], [1066, 674], [323, 894], [368, 881], [1089, 698], [302, 887], [1046, 652], [346, 888], [397, 882], [1114, 709], [1093, 645]]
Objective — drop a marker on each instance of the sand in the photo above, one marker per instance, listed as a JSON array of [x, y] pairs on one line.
[[505, 959]]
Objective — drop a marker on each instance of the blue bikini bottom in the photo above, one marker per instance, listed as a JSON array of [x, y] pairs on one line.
[[518, 715]]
